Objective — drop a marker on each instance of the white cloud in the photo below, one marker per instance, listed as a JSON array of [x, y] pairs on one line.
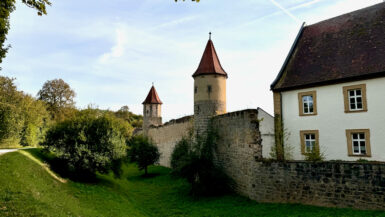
[[119, 48]]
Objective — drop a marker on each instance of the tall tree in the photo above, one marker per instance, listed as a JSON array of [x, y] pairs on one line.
[[23, 119], [6, 8], [58, 96]]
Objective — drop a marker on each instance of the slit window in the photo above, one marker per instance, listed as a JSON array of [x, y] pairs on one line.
[[209, 89]]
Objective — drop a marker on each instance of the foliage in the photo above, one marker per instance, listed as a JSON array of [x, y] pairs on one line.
[[131, 118], [279, 138], [143, 152], [89, 144], [315, 154], [180, 155], [192, 158], [59, 98], [286, 151], [23, 119], [6, 8], [28, 190]]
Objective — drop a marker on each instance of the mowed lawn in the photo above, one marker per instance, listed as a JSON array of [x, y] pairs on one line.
[[27, 189]]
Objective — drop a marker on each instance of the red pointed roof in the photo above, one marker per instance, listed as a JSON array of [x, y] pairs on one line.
[[152, 97], [210, 62]]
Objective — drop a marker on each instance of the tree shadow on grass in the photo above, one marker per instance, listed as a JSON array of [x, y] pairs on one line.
[[60, 167], [142, 177]]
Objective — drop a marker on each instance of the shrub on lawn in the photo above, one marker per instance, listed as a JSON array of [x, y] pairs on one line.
[[89, 144], [143, 152], [193, 159]]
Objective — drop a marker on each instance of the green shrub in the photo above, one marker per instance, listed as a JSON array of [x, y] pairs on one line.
[[315, 154], [180, 155], [193, 159], [89, 144], [143, 152]]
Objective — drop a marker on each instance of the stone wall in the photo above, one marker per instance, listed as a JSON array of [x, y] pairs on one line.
[[167, 135], [239, 146], [204, 111], [336, 184]]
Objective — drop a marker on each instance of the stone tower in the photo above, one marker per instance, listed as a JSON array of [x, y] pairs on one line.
[[209, 89], [152, 110]]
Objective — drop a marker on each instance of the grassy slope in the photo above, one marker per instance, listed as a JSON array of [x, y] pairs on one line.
[[26, 189]]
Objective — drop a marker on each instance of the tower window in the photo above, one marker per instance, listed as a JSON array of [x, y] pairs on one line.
[[195, 89], [208, 88]]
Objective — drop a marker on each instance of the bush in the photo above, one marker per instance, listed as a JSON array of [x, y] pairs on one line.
[[315, 154], [193, 160], [142, 152], [89, 144], [180, 155]]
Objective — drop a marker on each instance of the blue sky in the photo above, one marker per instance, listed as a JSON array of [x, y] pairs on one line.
[[110, 51]]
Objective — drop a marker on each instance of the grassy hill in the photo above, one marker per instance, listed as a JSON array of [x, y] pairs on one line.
[[27, 189]]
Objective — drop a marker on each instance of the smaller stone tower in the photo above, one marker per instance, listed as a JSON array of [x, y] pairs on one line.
[[152, 110], [209, 89]]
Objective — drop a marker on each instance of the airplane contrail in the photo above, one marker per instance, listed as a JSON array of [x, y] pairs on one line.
[[285, 11]]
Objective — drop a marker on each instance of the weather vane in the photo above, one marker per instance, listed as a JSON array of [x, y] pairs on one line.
[[210, 35]]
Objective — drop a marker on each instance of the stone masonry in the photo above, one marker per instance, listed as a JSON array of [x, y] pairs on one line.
[[334, 184]]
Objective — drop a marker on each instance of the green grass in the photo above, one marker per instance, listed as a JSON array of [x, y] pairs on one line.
[[26, 189]]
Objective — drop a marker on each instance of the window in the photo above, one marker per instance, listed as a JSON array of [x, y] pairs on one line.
[[307, 103], [195, 89], [355, 98], [209, 88], [309, 140], [358, 142]]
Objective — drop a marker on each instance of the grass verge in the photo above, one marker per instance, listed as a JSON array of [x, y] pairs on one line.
[[26, 189]]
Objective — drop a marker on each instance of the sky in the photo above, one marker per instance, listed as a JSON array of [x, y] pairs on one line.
[[110, 51]]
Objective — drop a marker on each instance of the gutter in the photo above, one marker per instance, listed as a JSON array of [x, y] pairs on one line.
[[288, 57]]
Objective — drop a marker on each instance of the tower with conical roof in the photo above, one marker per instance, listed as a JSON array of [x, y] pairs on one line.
[[152, 110], [209, 89]]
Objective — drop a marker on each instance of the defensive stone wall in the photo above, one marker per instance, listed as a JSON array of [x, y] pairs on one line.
[[167, 135], [336, 184], [239, 146]]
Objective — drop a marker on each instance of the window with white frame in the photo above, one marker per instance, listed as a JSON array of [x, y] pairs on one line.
[[307, 102], [355, 100], [359, 143], [310, 142]]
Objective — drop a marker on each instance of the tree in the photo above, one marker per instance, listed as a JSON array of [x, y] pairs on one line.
[[133, 119], [59, 98], [142, 152], [23, 119], [89, 144], [6, 8]]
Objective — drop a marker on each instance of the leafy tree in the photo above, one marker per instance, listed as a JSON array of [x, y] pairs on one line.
[[192, 158], [59, 98], [89, 144], [6, 8], [142, 152], [36, 119], [133, 119], [23, 119]]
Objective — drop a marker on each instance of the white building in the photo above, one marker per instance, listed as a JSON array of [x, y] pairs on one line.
[[330, 91]]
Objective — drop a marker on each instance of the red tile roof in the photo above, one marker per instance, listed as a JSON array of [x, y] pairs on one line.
[[152, 97], [345, 48], [210, 62]]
